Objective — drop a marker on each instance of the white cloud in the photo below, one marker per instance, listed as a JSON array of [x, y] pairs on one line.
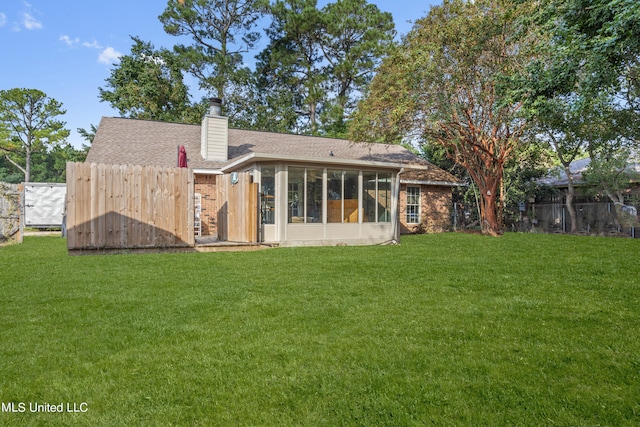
[[28, 20], [3, 19], [30, 23], [109, 56], [69, 41], [93, 45]]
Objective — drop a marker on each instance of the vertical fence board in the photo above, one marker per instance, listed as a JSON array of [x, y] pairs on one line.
[[83, 208], [100, 237], [109, 207], [70, 208]]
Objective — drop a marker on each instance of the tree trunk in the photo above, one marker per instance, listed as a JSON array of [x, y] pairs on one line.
[[490, 220], [312, 118], [491, 223], [571, 192], [27, 171]]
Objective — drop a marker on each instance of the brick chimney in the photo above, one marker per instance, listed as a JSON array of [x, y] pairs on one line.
[[214, 142]]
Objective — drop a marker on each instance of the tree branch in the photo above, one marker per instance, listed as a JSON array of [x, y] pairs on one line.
[[15, 164]]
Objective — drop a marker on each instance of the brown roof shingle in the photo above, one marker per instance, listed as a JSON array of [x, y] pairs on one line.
[[145, 142]]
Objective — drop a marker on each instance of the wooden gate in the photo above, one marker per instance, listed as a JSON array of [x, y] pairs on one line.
[[238, 213], [124, 206]]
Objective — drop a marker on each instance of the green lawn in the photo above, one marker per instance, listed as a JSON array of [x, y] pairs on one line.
[[448, 329]]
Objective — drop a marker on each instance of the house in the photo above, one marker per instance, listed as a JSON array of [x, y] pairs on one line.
[[313, 190], [556, 179]]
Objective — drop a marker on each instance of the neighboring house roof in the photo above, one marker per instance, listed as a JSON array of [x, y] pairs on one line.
[[145, 142], [556, 177]]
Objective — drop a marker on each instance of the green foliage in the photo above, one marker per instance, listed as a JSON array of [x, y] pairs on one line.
[[318, 61], [522, 330], [586, 55], [28, 127], [220, 31], [445, 85], [291, 65], [354, 37], [148, 84], [88, 135], [612, 171]]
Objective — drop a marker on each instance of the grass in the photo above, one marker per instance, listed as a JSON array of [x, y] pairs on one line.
[[447, 329]]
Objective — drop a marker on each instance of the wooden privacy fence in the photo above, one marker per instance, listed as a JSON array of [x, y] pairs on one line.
[[123, 206], [238, 214]]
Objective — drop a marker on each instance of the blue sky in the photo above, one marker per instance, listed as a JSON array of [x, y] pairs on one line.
[[67, 49]]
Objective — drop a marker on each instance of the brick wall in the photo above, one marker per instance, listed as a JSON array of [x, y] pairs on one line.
[[206, 186], [435, 209]]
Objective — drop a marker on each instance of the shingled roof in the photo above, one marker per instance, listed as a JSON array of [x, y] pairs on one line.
[[145, 142]]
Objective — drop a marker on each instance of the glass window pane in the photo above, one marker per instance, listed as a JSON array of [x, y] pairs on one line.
[[314, 195], [384, 197], [369, 196], [351, 196], [413, 205], [268, 195], [295, 199], [334, 195]]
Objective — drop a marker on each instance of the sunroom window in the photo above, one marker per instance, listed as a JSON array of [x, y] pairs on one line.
[[268, 195], [304, 201], [376, 198]]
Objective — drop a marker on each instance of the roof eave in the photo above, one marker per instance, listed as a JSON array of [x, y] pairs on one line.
[[262, 157], [433, 183]]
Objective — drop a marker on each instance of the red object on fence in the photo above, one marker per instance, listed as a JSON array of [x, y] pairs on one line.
[[182, 157]]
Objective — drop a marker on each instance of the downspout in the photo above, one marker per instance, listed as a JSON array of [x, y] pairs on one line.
[[396, 198]]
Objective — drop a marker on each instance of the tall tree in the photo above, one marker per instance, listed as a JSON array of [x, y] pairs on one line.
[[562, 127], [148, 84], [28, 124], [291, 65], [319, 61], [220, 31], [354, 37], [444, 85], [581, 89]]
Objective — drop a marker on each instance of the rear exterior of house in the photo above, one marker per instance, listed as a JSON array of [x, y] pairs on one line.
[[308, 190]]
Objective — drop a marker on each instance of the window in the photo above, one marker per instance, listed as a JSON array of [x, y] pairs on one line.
[[268, 195], [350, 211], [314, 195], [384, 197], [295, 199], [369, 196], [376, 197], [351, 196], [304, 195], [413, 205], [343, 190], [334, 195]]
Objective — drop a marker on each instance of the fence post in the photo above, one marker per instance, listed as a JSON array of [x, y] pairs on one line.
[[455, 216], [20, 238]]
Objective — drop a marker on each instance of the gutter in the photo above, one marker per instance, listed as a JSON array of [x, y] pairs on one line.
[[435, 183], [396, 198], [208, 171], [256, 157]]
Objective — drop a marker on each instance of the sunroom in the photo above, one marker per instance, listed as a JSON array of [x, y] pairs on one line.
[[327, 203]]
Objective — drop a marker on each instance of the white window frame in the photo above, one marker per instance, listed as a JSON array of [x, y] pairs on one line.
[[413, 216]]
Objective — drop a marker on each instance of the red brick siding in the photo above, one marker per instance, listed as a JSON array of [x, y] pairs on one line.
[[435, 209], [206, 186]]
